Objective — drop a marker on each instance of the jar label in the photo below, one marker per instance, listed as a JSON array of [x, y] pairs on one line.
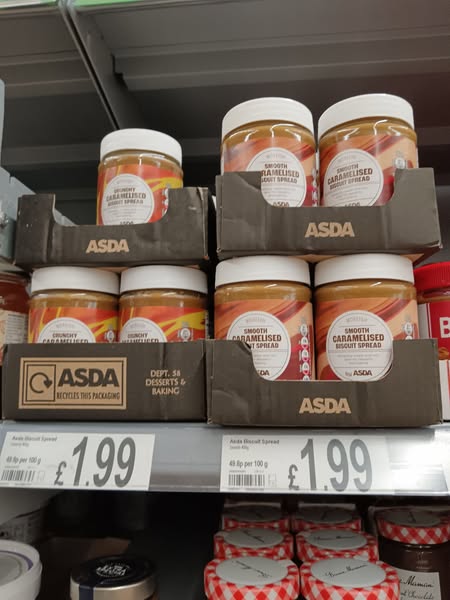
[[348, 573], [359, 171], [13, 329], [354, 336], [71, 325], [162, 324], [134, 193], [420, 586], [252, 570], [279, 332], [253, 538], [288, 168], [434, 322]]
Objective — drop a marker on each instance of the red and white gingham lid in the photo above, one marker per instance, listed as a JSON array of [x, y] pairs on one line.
[[414, 526], [251, 578], [321, 517], [348, 579], [253, 541], [263, 516], [339, 543]]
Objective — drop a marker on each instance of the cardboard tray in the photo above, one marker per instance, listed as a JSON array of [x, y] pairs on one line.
[[247, 224], [409, 395], [105, 382], [181, 237]]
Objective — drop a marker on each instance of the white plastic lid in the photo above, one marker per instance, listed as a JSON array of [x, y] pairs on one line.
[[262, 268], [253, 537], [335, 539], [366, 106], [348, 573], [325, 514], [75, 278], [412, 518], [252, 570], [163, 277], [267, 109], [20, 571], [141, 139], [364, 266], [254, 513]]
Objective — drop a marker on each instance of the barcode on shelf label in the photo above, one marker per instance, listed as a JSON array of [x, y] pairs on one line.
[[18, 475], [239, 480]]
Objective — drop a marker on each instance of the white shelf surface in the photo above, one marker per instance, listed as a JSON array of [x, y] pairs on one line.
[[187, 456]]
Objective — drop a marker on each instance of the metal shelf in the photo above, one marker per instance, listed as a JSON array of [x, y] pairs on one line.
[[187, 456]]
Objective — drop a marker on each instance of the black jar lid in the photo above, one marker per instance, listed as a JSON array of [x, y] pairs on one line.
[[120, 577]]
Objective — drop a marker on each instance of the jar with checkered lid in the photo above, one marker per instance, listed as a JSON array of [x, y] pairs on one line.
[[339, 543], [417, 543], [348, 579], [251, 578], [254, 515], [253, 541], [308, 518]]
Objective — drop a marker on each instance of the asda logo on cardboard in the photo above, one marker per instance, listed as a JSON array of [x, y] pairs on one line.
[[329, 229], [107, 246], [324, 406]]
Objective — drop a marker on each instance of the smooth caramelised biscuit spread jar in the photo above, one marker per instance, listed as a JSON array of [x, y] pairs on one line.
[[73, 305], [274, 136], [137, 167], [362, 303], [362, 141], [265, 301], [162, 303]]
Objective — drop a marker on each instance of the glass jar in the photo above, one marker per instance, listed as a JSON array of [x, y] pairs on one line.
[[114, 578], [362, 303], [274, 136], [137, 166], [163, 304], [265, 301], [13, 310], [417, 544], [362, 141], [348, 578], [73, 305], [319, 544]]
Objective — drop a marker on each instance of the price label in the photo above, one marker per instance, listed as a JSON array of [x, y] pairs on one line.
[[77, 460], [296, 464]]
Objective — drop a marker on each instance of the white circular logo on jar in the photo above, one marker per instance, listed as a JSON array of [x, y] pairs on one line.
[[253, 538], [335, 539], [113, 570], [283, 181], [139, 329], [359, 346], [318, 514], [353, 178], [268, 339], [413, 518], [252, 570], [254, 514], [66, 330], [348, 573], [127, 199]]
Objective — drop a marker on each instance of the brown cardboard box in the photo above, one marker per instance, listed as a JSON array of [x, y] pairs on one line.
[[181, 237], [247, 224], [409, 395], [105, 382]]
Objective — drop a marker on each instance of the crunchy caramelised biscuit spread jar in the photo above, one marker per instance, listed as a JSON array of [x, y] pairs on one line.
[[362, 303], [276, 137], [265, 301], [137, 166], [362, 141]]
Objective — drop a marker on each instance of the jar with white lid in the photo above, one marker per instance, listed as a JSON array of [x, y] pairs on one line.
[[252, 578], [73, 305], [120, 577], [255, 515], [265, 301], [362, 141], [274, 136], [319, 544], [362, 303], [137, 167], [253, 541], [20, 571], [309, 518], [347, 579], [162, 303]]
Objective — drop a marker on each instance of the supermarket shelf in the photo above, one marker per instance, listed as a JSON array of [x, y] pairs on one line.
[[187, 456]]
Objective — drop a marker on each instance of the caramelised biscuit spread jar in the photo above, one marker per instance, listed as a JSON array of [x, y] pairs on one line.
[[265, 301], [274, 136], [362, 141], [362, 303]]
